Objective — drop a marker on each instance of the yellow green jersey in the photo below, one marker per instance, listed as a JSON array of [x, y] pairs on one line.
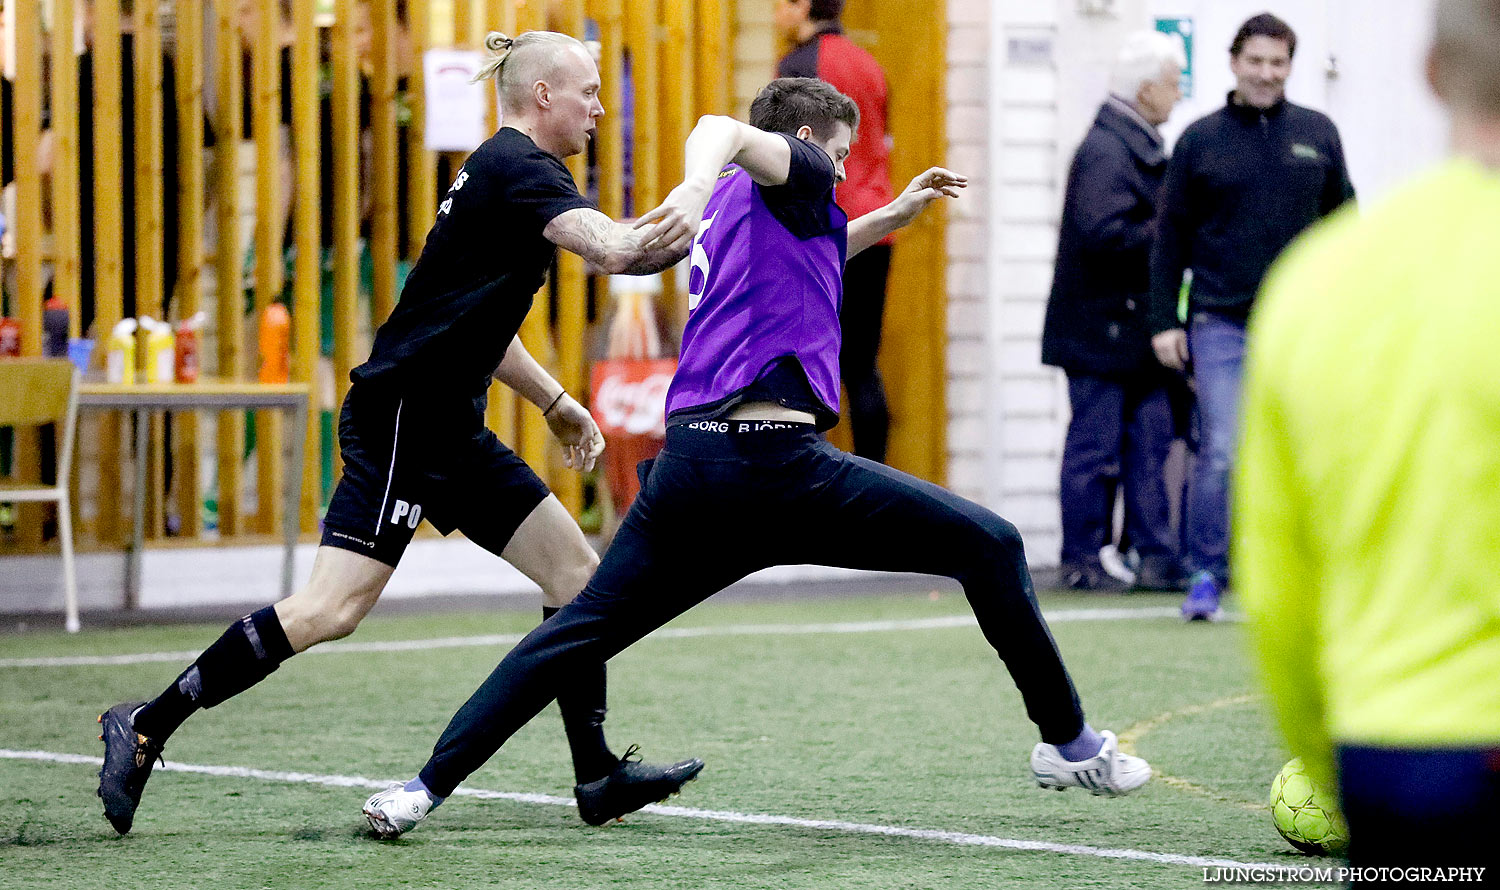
[[1367, 496]]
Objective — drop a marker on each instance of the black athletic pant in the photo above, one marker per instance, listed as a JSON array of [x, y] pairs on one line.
[[717, 506], [860, 315], [1420, 807]]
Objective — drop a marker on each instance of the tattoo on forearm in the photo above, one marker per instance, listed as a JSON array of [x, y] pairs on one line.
[[606, 244], [653, 261], [590, 235]]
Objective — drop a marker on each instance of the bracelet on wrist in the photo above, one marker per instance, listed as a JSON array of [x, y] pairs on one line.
[[548, 409]]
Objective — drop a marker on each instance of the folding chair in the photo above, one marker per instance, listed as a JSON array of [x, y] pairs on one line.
[[35, 392]]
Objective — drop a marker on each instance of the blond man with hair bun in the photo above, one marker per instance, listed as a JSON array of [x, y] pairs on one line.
[[413, 437]]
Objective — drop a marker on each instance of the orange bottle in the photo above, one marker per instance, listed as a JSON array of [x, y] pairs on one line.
[[275, 345]]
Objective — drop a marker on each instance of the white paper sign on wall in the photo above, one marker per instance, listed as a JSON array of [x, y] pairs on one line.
[[455, 107]]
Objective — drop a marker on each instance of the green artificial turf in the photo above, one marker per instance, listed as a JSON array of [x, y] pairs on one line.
[[911, 728]]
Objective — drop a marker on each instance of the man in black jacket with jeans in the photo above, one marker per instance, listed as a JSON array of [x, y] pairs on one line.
[[1096, 325], [1243, 182]]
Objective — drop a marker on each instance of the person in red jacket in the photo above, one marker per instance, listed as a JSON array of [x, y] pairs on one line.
[[824, 52]]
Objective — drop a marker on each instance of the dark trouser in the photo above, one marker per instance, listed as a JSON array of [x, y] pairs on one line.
[[860, 315], [718, 506], [1121, 428], [1421, 807]]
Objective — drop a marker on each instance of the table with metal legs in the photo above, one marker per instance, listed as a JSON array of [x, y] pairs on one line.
[[142, 399]]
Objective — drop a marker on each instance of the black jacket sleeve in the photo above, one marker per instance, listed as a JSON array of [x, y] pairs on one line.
[[1100, 200], [1337, 189], [1170, 251]]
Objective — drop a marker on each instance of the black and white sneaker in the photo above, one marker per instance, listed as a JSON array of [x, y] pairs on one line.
[[632, 785], [128, 760]]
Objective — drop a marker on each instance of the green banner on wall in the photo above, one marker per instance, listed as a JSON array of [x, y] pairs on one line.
[[1182, 30]]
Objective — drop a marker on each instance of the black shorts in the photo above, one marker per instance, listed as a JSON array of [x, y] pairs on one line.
[[414, 456]]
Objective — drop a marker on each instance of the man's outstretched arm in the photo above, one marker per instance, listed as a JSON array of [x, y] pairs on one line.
[[935, 183], [614, 248], [715, 142]]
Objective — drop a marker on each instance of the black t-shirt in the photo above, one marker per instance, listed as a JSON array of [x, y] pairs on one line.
[[484, 259]]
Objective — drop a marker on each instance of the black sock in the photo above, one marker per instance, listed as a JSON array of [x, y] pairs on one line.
[[247, 653], [582, 702]]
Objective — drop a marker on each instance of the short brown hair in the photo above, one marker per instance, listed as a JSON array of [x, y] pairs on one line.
[[787, 104], [825, 10], [1264, 25]]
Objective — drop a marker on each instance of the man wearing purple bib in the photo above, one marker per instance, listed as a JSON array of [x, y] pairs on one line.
[[745, 481]]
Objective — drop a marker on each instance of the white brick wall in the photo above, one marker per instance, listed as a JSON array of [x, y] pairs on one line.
[[1019, 466], [1008, 413], [754, 52], [969, 365]]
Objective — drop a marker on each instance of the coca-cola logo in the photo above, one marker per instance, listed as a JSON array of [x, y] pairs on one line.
[[10, 337], [636, 407]]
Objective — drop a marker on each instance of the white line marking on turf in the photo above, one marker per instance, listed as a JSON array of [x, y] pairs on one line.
[[942, 623], [730, 630], [958, 838]]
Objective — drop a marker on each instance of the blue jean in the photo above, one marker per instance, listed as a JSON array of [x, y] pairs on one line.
[[1217, 346], [1121, 430]]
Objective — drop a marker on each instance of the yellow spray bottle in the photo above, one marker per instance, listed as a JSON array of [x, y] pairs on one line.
[[160, 350], [119, 366]]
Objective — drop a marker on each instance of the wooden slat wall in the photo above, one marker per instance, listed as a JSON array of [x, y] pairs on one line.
[[64, 197], [909, 38], [678, 48], [228, 262], [463, 23], [572, 296], [610, 15], [269, 270], [66, 224], [188, 293], [345, 105], [149, 228], [28, 128], [675, 95], [641, 38], [421, 166], [28, 296], [308, 291], [383, 227], [109, 285], [713, 43]]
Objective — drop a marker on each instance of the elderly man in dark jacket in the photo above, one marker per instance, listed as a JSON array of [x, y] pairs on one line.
[[1096, 328]]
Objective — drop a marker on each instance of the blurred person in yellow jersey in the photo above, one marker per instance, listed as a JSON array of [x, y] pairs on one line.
[[1368, 499]]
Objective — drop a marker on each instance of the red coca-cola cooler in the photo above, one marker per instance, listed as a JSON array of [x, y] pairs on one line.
[[629, 402]]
